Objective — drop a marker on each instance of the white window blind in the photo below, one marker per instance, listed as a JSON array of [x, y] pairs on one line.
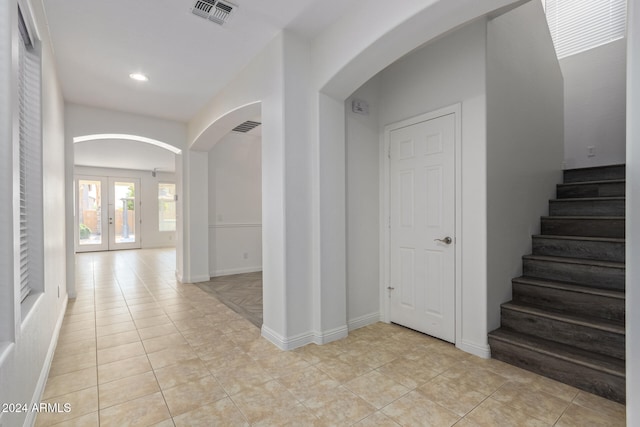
[[30, 154], [579, 25]]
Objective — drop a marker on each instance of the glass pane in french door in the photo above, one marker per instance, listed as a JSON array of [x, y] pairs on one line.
[[124, 212], [90, 212]]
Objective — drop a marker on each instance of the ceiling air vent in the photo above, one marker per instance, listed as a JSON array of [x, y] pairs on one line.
[[214, 10], [246, 126]]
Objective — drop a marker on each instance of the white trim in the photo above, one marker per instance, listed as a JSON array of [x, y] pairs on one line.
[[331, 335], [456, 110], [230, 271], [236, 225], [301, 340], [362, 321], [128, 137], [483, 351], [44, 373]]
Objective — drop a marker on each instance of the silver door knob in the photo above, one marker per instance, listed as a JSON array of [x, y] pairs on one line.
[[447, 240]]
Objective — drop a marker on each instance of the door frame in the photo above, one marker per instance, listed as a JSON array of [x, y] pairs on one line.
[[108, 208], [137, 216], [104, 206], [385, 211]]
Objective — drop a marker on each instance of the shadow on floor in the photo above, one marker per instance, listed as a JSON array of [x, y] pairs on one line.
[[240, 292]]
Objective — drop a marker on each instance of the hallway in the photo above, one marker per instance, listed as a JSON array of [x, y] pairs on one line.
[[138, 348]]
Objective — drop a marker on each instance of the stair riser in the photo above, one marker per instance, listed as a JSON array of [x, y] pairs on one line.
[[587, 208], [609, 386], [566, 301], [594, 174], [585, 249], [583, 227], [583, 337], [580, 274], [616, 189]]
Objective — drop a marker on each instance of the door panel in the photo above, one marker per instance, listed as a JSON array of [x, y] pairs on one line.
[[91, 218], [124, 215], [422, 208]]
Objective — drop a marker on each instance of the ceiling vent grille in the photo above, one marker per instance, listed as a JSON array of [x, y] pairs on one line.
[[246, 126], [214, 10]]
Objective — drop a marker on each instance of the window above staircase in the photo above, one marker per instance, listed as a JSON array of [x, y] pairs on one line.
[[580, 25]]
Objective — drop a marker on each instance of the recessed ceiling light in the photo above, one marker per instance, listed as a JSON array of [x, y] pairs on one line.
[[139, 77]]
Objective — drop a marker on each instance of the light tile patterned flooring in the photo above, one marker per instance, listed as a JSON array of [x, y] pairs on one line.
[[138, 348]]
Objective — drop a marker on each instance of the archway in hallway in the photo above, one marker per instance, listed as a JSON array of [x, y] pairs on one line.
[[234, 150], [113, 176]]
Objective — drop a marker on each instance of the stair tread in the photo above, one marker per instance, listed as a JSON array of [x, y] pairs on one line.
[[596, 167], [590, 199], [605, 181], [573, 217], [591, 322], [580, 238], [595, 361], [582, 261], [570, 287]]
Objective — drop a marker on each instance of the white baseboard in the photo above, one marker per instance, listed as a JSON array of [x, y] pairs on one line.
[[303, 339], [482, 351], [362, 321], [230, 271], [44, 372]]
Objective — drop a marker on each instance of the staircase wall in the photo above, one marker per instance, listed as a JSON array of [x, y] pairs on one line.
[[524, 142], [633, 213], [594, 91]]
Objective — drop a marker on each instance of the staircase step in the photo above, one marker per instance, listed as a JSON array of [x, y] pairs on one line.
[[598, 173], [598, 248], [569, 298], [595, 206], [601, 375], [605, 226], [585, 272], [609, 188], [586, 333]]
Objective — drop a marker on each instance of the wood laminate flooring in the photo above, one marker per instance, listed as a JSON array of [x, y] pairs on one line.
[[240, 292]]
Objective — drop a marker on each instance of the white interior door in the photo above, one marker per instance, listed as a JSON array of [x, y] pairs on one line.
[[422, 225], [124, 213], [107, 213]]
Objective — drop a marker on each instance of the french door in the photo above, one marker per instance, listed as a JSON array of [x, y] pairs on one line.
[[107, 213]]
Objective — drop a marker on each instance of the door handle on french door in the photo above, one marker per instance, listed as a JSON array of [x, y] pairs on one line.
[[447, 240]]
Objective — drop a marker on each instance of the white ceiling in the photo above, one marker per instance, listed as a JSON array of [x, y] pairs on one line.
[[123, 154], [188, 59]]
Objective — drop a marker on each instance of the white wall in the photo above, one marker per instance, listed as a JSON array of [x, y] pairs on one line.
[[302, 86], [633, 213], [235, 205], [595, 110], [150, 235], [448, 71], [363, 207], [28, 344], [524, 142]]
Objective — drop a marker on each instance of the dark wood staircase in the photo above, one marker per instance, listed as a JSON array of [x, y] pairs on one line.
[[566, 318]]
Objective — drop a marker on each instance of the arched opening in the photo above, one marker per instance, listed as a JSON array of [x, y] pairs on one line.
[[114, 176], [233, 146]]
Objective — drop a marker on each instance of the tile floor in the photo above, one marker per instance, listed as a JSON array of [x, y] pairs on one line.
[[137, 348]]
